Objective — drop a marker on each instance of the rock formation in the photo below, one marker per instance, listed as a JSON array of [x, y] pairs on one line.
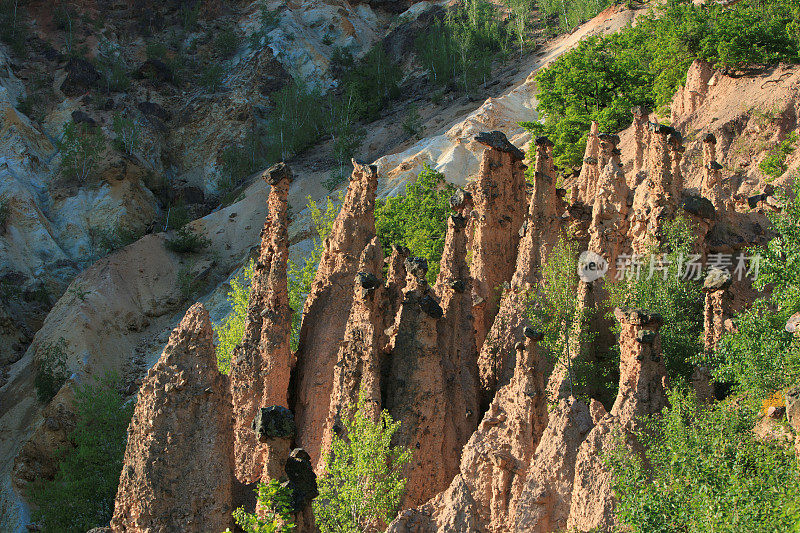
[[262, 363], [358, 365], [654, 202], [415, 389], [327, 308], [456, 335], [495, 460], [640, 138], [499, 197], [642, 392], [542, 229], [713, 187], [717, 307], [590, 171], [177, 473]]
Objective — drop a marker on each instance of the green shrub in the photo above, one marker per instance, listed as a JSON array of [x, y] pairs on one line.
[[300, 278], [178, 215], [112, 66], [570, 13], [13, 26], [226, 42], [82, 494], [188, 284], [156, 50], [296, 122], [51, 370], [275, 501], [705, 473], [363, 481], [211, 77], [774, 164], [230, 330], [603, 77], [189, 15], [107, 239], [412, 125], [678, 300], [127, 134], [187, 240], [520, 13], [417, 218], [761, 356], [5, 213], [81, 147], [371, 83], [553, 310], [460, 49]]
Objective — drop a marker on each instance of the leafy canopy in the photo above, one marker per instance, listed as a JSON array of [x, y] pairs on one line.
[[705, 473], [417, 218], [363, 481], [82, 494]]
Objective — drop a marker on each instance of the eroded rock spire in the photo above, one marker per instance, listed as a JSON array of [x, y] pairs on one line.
[[327, 307], [177, 473], [499, 198], [262, 363]]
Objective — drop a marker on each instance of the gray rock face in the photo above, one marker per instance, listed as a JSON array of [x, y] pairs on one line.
[[274, 422]]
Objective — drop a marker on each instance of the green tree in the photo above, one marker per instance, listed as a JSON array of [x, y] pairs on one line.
[[761, 356], [231, 328], [276, 502], [363, 482], [127, 133], [705, 473], [417, 218], [81, 147], [668, 292], [553, 309], [81, 496], [51, 370]]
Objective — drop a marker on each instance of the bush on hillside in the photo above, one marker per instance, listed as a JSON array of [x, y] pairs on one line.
[[231, 328], [51, 370], [187, 240], [81, 147], [417, 218], [363, 483], [81, 496], [603, 77], [275, 505], [705, 471]]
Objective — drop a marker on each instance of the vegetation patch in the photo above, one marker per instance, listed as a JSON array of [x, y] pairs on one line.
[[774, 164]]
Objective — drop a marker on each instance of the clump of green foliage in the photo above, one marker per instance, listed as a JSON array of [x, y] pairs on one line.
[[127, 134], [51, 370], [460, 50], [363, 480], [230, 330], [760, 356], [372, 82], [774, 165], [300, 278], [112, 66], [565, 15], [226, 42], [275, 501], [705, 473], [13, 26], [554, 311], [106, 239], [417, 218], [412, 125], [81, 496], [188, 283], [668, 292], [187, 240], [81, 147], [603, 77]]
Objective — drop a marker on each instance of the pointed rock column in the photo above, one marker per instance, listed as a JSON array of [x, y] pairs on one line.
[[640, 134], [654, 202], [542, 229], [415, 391], [177, 471], [642, 392], [358, 364], [496, 458], [327, 308], [456, 335], [676, 149], [499, 197], [262, 363], [713, 188], [590, 171], [717, 311], [608, 231]]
